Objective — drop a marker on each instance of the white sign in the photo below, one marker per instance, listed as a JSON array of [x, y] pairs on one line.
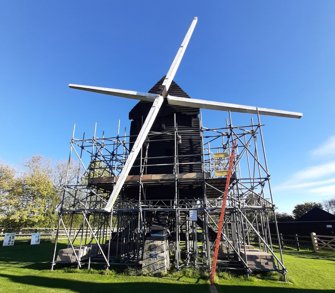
[[329, 226], [35, 239], [193, 215], [9, 239]]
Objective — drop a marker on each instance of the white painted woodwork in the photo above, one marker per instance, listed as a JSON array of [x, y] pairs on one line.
[[135, 151], [177, 59], [148, 97], [178, 101], [150, 118], [213, 105]]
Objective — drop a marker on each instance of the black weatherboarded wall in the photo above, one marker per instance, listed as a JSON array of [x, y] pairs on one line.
[[161, 151], [162, 146], [316, 220]]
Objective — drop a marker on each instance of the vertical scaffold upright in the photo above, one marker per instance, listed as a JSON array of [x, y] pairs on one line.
[[167, 212]]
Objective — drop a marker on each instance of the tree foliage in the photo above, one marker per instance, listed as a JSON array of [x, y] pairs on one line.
[[301, 209], [7, 183], [284, 217], [30, 199], [329, 205]]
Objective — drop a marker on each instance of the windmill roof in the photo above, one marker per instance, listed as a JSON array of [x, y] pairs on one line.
[[174, 90], [142, 108]]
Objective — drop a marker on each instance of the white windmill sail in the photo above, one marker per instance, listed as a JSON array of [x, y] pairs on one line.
[[188, 102], [148, 97], [150, 118], [213, 105], [157, 101]]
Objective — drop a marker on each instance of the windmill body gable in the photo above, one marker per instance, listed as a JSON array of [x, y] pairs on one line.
[[162, 132], [163, 150]]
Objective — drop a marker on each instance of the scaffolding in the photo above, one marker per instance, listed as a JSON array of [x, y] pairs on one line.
[[156, 233]]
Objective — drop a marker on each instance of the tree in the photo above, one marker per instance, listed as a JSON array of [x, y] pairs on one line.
[[65, 173], [281, 217], [31, 199], [301, 209], [284, 217], [6, 186], [329, 205], [6, 178]]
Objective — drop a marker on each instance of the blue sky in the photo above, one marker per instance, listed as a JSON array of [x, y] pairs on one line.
[[276, 54]]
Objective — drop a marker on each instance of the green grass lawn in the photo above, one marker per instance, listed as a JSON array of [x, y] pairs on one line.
[[25, 268]]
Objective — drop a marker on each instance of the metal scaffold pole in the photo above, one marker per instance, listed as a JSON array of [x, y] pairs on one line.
[[156, 199]]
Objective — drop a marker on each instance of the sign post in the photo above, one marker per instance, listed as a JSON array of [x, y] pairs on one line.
[[193, 215], [35, 239], [9, 239]]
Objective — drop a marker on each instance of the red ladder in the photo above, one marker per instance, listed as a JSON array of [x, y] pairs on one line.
[[222, 213]]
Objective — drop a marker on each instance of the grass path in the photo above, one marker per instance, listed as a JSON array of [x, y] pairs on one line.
[[25, 268]]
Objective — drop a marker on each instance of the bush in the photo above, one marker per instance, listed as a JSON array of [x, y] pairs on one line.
[[131, 272], [189, 273], [108, 273], [224, 275]]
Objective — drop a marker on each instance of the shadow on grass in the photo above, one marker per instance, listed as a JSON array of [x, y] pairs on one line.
[[325, 255], [84, 286], [147, 287], [24, 255]]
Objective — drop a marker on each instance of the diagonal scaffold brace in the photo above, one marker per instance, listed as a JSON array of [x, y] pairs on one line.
[[222, 214]]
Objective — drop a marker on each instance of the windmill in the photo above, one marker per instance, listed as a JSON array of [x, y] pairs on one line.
[[163, 189], [157, 102]]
